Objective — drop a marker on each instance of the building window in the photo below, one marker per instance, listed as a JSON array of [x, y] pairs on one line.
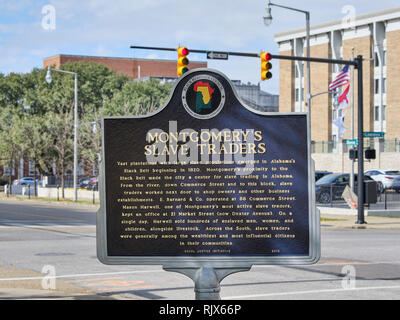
[[376, 59], [384, 85], [376, 86], [384, 58], [383, 113], [376, 113], [297, 95]]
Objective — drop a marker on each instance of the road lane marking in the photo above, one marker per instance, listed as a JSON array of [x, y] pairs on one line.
[[125, 288], [277, 294], [94, 279], [51, 216], [83, 275]]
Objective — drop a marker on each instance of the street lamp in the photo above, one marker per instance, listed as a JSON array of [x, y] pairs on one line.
[[268, 20], [49, 79], [268, 16]]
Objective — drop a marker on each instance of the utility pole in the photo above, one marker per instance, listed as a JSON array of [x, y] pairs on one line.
[[352, 120]]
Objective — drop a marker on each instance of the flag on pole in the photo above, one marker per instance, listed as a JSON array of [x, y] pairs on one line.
[[341, 79], [344, 99], [339, 122]]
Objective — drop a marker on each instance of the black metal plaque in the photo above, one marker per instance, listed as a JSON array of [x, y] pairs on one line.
[[206, 176]]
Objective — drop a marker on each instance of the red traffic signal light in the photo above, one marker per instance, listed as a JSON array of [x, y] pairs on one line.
[[266, 66], [183, 61]]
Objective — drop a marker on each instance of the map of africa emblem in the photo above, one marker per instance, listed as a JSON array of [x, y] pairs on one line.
[[203, 96]]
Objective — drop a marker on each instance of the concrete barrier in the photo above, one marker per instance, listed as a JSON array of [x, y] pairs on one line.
[[56, 193], [339, 211]]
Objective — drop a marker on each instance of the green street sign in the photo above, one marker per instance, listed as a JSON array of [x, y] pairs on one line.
[[352, 142], [374, 134]]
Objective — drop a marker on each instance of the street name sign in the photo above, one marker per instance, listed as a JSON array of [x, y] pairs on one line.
[[352, 142], [374, 134]]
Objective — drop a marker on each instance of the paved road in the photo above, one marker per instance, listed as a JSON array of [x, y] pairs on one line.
[[35, 236]]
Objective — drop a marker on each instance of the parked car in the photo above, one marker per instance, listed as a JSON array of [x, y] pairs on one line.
[[331, 186], [320, 174], [387, 179], [94, 184], [84, 183], [89, 184], [25, 181]]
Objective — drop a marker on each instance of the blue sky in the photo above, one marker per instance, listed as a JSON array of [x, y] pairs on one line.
[[108, 28]]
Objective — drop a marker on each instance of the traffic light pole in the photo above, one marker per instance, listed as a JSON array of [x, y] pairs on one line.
[[357, 63], [240, 54], [360, 178]]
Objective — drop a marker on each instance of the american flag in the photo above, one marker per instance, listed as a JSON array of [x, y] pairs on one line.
[[341, 79]]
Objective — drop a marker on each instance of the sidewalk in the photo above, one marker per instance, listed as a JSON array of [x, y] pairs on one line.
[[51, 202], [333, 221], [342, 218], [27, 285]]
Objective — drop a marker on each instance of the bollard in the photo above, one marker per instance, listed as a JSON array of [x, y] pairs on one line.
[[385, 199], [29, 191]]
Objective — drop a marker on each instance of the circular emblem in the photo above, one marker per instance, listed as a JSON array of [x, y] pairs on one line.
[[203, 96]]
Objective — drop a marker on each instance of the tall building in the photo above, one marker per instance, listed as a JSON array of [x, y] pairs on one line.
[[254, 97], [131, 67], [375, 36]]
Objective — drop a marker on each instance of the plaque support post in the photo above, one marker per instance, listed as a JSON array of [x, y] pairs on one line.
[[207, 279]]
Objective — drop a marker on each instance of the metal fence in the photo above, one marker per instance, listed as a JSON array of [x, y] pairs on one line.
[[391, 145], [389, 200], [25, 190], [331, 196]]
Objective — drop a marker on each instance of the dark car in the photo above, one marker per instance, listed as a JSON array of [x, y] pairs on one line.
[[331, 186], [320, 174]]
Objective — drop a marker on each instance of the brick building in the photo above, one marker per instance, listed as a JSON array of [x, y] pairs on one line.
[[132, 68], [375, 36]]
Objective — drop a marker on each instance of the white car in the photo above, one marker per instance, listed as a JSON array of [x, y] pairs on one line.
[[387, 179], [24, 181]]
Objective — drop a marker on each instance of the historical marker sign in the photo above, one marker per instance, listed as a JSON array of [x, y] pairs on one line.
[[206, 179]]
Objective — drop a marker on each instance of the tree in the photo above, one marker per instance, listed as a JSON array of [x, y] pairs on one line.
[[46, 133], [90, 138], [33, 138], [59, 127], [138, 98], [9, 147], [12, 91], [96, 84]]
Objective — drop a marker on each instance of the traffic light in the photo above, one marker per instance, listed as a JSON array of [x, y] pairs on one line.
[[370, 154], [183, 61], [353, 154], [266, 66]]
